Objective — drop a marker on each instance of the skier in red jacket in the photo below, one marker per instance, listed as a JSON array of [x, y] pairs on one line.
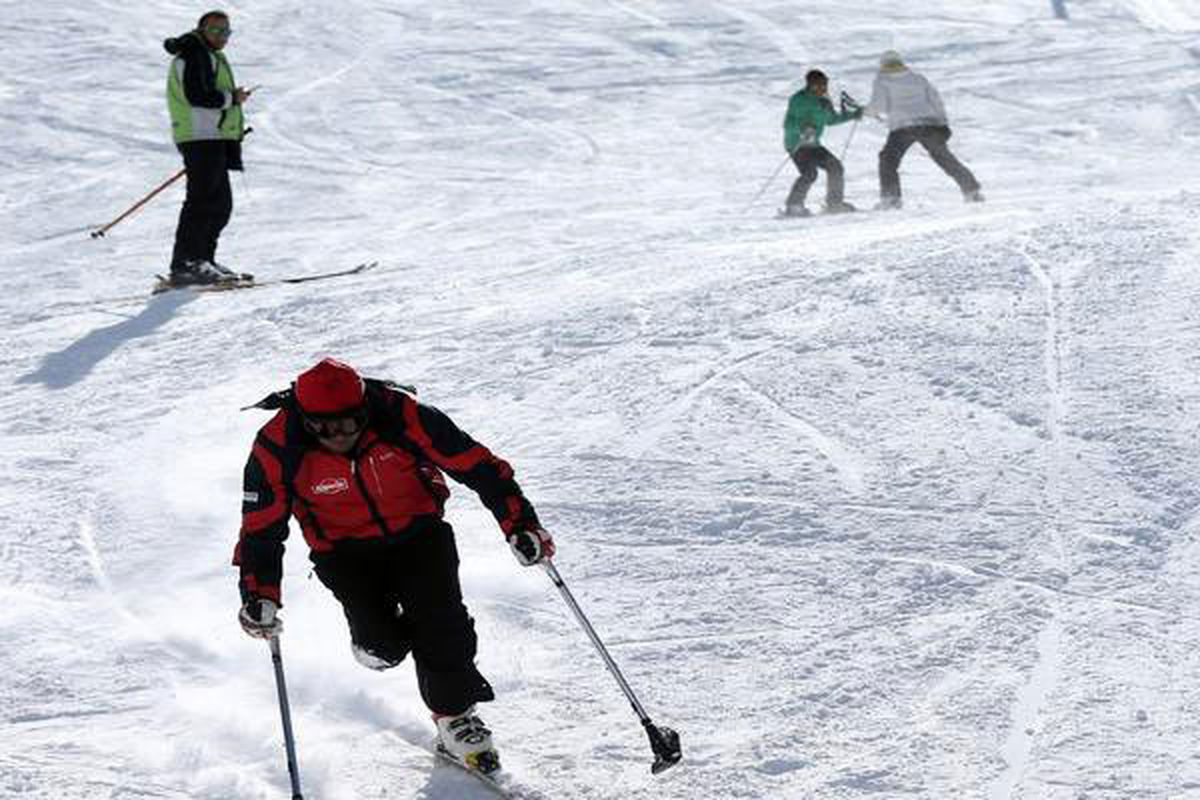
[[360, 464]]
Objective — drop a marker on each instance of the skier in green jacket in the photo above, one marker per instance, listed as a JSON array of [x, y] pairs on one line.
[[207, 123], [809, 111]]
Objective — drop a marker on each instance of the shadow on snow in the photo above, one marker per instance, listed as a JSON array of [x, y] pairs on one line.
[[72, 364]]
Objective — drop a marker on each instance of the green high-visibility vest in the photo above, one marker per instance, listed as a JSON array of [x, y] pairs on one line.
[[192, 123]]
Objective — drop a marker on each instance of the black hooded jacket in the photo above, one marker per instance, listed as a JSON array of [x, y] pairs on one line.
[[200, 85], [199, 74]]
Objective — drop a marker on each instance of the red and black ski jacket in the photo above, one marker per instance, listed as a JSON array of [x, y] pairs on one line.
[[390, 485]]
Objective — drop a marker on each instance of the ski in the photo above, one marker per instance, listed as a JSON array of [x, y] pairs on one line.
[[164, 284], [320, 276], [782, 214], [489, 773], [499, 781]]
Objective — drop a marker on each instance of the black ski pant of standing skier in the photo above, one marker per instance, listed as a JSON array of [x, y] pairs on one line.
[[208, 203], [808, 160], [402, 595], [933, 138]]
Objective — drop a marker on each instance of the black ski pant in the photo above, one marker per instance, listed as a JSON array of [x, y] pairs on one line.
[[808, 160], [208, 203], [933, 138], [402, 595]]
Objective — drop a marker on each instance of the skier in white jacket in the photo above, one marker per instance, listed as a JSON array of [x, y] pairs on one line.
[[915, 114]]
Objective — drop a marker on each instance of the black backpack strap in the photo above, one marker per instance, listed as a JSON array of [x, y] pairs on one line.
[[273, 401]]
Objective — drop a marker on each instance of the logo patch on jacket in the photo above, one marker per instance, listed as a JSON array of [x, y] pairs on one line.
[[331, 486]]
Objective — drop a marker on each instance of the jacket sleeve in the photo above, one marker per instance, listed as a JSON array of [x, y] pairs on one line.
[[265, 512], [878, 105], [935, 102], [469, 463], [832, 117], [199, 76]]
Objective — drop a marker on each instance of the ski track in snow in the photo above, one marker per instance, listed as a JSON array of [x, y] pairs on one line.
[[885, 505], [1180, 16], [1031, 698], [844, 459]]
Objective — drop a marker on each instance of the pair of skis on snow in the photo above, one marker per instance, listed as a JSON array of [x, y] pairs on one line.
[[164, 284]]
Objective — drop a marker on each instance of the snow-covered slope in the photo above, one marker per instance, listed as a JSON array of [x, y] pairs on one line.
[[884, 505]]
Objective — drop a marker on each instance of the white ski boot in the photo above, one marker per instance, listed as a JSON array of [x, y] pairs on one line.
[[465, 739]]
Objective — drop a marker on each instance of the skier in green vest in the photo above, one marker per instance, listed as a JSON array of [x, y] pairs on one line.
[[207, 123], [809, 111]]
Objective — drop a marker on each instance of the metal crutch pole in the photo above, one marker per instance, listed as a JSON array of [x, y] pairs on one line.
[[663, 741], [96, 234], [286, 715]]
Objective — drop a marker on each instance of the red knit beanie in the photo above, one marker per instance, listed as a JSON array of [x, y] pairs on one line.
[[330, 388]]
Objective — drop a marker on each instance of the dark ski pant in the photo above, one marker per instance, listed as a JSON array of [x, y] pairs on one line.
[[933, 138], [808, 160], [208, 203], [416, 574]]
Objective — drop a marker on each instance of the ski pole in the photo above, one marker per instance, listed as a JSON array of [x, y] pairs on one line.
[[849, 102], [663, 741], [96, 234], [849, 139], [288, 740], [766, 185]]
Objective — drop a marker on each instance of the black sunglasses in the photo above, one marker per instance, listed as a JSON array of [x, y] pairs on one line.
[[336, 426]]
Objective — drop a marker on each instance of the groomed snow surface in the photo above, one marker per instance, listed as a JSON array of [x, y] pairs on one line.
[[885, 505]]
